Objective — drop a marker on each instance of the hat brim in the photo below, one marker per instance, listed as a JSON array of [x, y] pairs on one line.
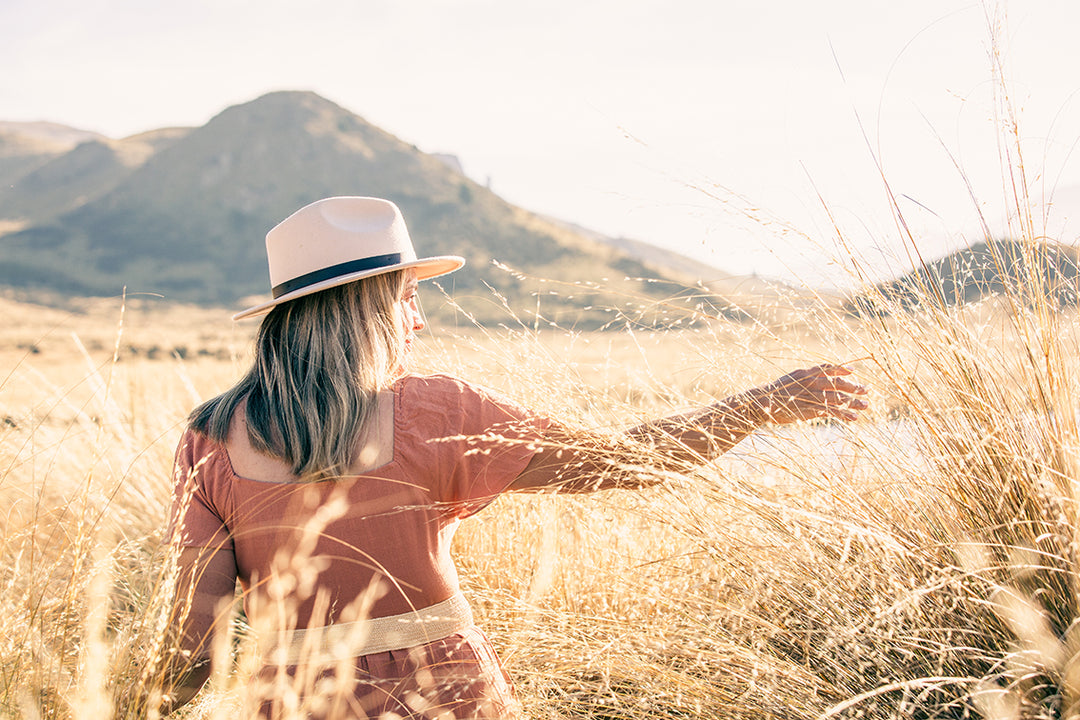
[[426, 268]]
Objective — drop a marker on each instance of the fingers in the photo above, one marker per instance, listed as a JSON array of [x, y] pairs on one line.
[[841, 396], [843, 405], [830, 377], [822, 378], [819, 391], [839, 384]]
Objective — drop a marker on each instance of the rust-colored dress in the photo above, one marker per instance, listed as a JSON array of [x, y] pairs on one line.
[[373, 545]]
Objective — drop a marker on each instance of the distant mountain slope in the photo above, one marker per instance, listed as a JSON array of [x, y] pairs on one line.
[[746, 295], [50, 134], [666, 260], [74, 178], [183, 213], [1026, 271], [27, 145]]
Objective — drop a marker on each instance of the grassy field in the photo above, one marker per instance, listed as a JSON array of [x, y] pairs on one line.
[[921, 563]]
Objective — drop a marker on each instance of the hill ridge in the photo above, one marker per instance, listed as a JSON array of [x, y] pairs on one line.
[[1026, 270]]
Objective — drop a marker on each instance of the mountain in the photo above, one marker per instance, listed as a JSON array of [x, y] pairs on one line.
[[1028, 271], [183, 213], [88, 171], [26, 145], [47, 134]]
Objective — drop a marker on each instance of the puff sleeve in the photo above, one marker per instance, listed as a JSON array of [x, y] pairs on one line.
[[196, 519], [470, 442]]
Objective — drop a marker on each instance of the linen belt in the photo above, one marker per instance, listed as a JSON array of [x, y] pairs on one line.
[[338, 641]]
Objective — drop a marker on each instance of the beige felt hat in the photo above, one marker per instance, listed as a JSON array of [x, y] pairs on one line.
[[336, 241]]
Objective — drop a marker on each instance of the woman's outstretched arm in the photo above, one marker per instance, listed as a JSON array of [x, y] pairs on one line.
[[574, 461]]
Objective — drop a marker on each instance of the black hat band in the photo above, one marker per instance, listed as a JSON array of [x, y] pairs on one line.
[[328, 273]]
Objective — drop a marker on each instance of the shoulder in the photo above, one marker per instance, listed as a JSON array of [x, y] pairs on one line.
[[194, 443], [197, 453], [436, 389], [449, 392], [432, 403], [449, 405], [436, 382]]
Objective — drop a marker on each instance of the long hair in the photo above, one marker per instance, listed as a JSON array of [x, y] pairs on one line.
[[320, 362]]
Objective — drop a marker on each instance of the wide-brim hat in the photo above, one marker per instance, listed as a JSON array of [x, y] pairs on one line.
[[340, 240]]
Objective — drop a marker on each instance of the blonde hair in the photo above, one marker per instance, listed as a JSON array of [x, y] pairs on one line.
[[320, 362]]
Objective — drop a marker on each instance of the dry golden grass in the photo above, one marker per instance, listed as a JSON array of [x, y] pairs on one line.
[[918, 564]]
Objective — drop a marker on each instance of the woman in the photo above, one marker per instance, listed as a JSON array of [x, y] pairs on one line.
[[330, 480]]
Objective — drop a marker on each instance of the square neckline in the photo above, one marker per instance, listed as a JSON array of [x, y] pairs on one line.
[[395, 406]]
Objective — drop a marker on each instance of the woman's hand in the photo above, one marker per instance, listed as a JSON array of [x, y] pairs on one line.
[[820, 391]]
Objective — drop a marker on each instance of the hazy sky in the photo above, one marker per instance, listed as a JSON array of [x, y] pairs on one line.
[[697, 126]]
